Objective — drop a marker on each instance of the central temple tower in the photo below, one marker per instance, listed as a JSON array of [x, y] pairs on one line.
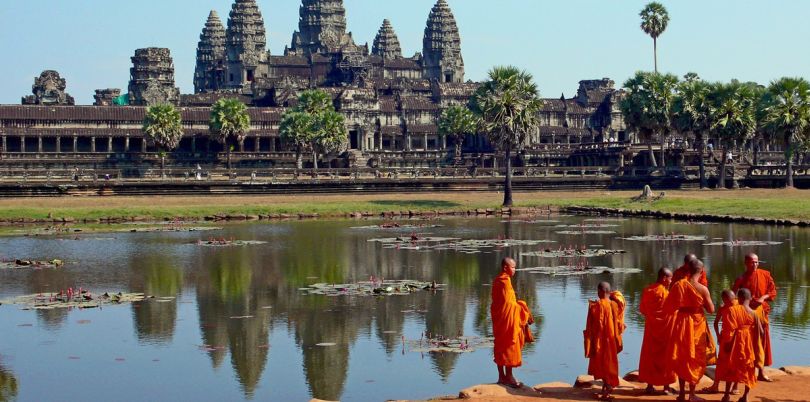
[[441, 46], [245, 44], [321, 28]]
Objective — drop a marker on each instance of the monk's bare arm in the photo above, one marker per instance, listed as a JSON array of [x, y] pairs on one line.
[[717, 326], [708, 304]]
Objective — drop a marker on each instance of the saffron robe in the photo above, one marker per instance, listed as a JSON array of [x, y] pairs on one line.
[[738, 352], [652, 368], [509, 319], [722, 364], [760, 283], [684, 273], [691, 346], [603, 338]]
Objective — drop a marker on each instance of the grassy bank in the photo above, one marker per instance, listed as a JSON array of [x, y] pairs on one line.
[[792, 204]]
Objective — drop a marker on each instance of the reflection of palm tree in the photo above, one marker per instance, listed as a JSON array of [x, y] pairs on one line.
[[445, 317], [8, 385], [796, 310], [154, 320]]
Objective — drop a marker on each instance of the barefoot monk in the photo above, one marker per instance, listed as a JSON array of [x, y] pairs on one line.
[[510, 320], [738, 354], [603, 338], [763, 291], [652, 369]]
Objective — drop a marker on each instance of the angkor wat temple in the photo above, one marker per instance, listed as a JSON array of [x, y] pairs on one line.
[[391, 102]]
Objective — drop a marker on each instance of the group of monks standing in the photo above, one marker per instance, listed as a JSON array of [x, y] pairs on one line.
[[678, 344]]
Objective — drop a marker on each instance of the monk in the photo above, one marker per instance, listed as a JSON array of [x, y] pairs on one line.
[[691, 343], [683, 271], [510, 321], [651, 368], [603, 338], [763, 291], [729, 300], [741, 330]]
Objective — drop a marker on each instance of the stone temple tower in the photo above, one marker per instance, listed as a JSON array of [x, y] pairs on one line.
[[209, 75], [151, 78], [321, 27], [441, 46], [245, 44], [386, 43]]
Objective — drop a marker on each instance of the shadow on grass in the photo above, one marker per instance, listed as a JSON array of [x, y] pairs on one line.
[[426, 204]]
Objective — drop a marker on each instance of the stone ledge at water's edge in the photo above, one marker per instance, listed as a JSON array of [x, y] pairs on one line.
[[790, 384]]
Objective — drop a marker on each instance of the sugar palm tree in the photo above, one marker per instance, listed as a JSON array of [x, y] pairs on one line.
[[507, 106], [732, 117], [690, 114], [647, 107], [229, 123], [314, 126], [787, 113], [457, 122], [163, 127], [654, 21], [330, 134], [296, 129]]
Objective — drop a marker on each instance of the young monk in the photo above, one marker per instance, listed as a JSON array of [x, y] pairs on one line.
[[652, 369], [510, 320], [763, 290], [729, 300], [691, 342], [741, 330], [683, 271], [603, 338]]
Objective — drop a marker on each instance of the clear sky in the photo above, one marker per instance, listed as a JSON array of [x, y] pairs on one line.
[[561, 42]]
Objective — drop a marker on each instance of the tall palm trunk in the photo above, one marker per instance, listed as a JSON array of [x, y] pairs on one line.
[[507, 188], [228, 150], [299, 160], [723, 160], [652, 154], [459, 140], [655, 53], [788, 163], [314, 161], [701, 160], [663, 152]]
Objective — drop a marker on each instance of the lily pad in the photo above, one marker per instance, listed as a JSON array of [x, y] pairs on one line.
[[229, 243], [32, 264], [743, 243], [573, 253], [666, 237], [326, 344], [372, 288], [83, 299], [396, 226], [585, 232], [572, 270], [158, 229], [589, 226], [461, 344]]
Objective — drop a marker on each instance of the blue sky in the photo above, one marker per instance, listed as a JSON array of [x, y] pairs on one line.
[[561, 42]]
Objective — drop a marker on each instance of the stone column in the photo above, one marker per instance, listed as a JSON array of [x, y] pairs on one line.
[[143, 145], [242, 146], [109, 145], [424, 144], [75, 144], [126, 144], [4, 144], [39, 144], [272, 144], [256, 144], [22, 143], [93, 144], [58, 144]]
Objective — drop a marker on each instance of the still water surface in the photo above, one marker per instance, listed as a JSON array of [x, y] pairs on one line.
[[190, 348]]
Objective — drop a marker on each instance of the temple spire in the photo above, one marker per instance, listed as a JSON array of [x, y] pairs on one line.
[[321, 27], [245, 43], [386, 43], [209, 73], [441, 46]]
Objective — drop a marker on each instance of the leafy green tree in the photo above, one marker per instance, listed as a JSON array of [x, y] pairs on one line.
[[690, 114], [787, 113], [229, 123], [732, 117], [507, 106], [457, 122], [654, 21], [163, 127], [647, 107], [314, 126]]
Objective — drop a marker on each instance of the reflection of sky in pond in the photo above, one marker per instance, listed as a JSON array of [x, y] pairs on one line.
[[191, 348]]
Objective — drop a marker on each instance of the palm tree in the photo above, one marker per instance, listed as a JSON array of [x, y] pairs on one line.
[[331, 134], [295, 129], [732, 117], [647, 107], [690, 114], [507, 106], [654, 21], [787, 113], [163, 127], [229, 123], [457, 121]]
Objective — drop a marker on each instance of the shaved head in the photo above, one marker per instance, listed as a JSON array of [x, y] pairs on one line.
[[604, 287], [689, 258], [744, 294], [728, 295], [695, 267], [663, 273], [508, 265]]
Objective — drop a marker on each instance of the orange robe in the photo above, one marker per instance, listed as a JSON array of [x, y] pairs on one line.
[[738, 353], [509, 317], [722, 363], [691, 345], [760, 283], [652, 368], [603, 338], [683, 272]]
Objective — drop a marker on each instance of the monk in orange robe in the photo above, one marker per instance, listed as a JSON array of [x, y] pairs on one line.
[[652, 369], [683, 271], [763, 291], [510, 321], [691, 344], [738, 354], [729, 300], [603, 338]]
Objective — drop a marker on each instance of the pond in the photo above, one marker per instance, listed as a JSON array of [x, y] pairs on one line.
[[236, 321]]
